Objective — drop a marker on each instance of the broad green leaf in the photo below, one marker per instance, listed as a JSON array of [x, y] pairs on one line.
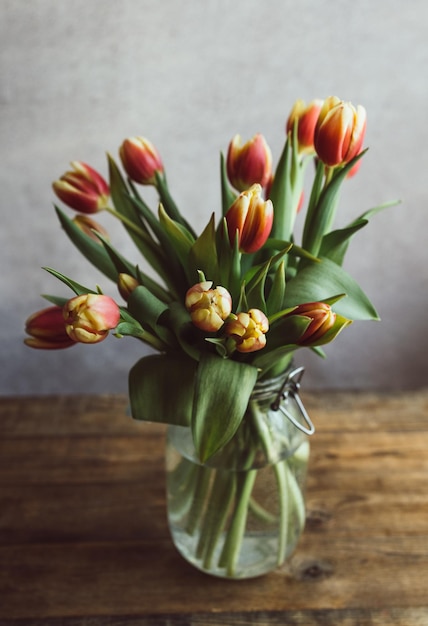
[[222, 391], [91, 249], [161, 389], [321, 216], [335, 244], [266, 361], [187, 335], [145, 307], [203, 253], [180, 238], [148, 309], [285, 331], [318, 281]]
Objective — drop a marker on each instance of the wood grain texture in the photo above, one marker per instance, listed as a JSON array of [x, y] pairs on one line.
[[84, 537]]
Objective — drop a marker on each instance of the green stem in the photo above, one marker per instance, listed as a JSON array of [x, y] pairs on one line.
[[215, 517], [136, 229], [199, 498], [233, 542]]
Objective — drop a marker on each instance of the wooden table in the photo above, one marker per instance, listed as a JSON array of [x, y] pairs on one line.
[[84, 539]]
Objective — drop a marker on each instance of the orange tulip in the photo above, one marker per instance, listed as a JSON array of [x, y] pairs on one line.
[[89, 317], [306, 116], [47, 330], [339, 132], [251, 218], [248, 330], [322, 319], [90, 227], [82, 189], [208, 307], [141, 160], [249, 163]]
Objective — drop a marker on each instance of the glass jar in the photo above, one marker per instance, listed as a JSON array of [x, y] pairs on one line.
[[241, 514]]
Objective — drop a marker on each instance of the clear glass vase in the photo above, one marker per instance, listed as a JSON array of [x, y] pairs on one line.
[[241, 514]]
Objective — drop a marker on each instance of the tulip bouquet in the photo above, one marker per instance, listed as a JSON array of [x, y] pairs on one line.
[[233, 303]]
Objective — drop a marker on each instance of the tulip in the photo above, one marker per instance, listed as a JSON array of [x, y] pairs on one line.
[[82, 189], [339, 132], [90, 227], [89, 317], [249, 163], [47, 330], [306, 117], [141, 160], [251, 218], [321, 317], [126, 285], [208, 307], [248, 330]]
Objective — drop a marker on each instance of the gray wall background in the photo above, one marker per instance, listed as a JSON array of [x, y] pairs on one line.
[[78, 77]]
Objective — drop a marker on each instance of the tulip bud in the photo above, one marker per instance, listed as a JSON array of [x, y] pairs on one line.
[[47, 330], [208, 307], [82, 189], [141, 160], [126, 285], [89, 317], [306, 117], [251, 218], [249, 163], [90, 227], [339, 132], [248, 330], [322, 319]]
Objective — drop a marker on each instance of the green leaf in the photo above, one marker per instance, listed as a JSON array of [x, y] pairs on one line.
[[320, 217], [203, 253], [268, 360], [335, 244], [222, 391], [150, 249], [169, 204], [339, 324], [287, 187], [161, 389], [187, 335], [275, 299], [283, 332], [57, 300], [228, 196], [91, 250], [76, 287], [318, 281], [180, 238], [145, 307]]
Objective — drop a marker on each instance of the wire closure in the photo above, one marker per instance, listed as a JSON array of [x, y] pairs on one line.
[[290, 391]]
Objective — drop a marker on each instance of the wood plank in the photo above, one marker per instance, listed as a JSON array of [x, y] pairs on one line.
[[105, 578], [335, 410], [84, 539], [334, 617]]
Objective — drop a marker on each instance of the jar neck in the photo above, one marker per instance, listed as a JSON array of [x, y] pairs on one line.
[[267, 388]]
